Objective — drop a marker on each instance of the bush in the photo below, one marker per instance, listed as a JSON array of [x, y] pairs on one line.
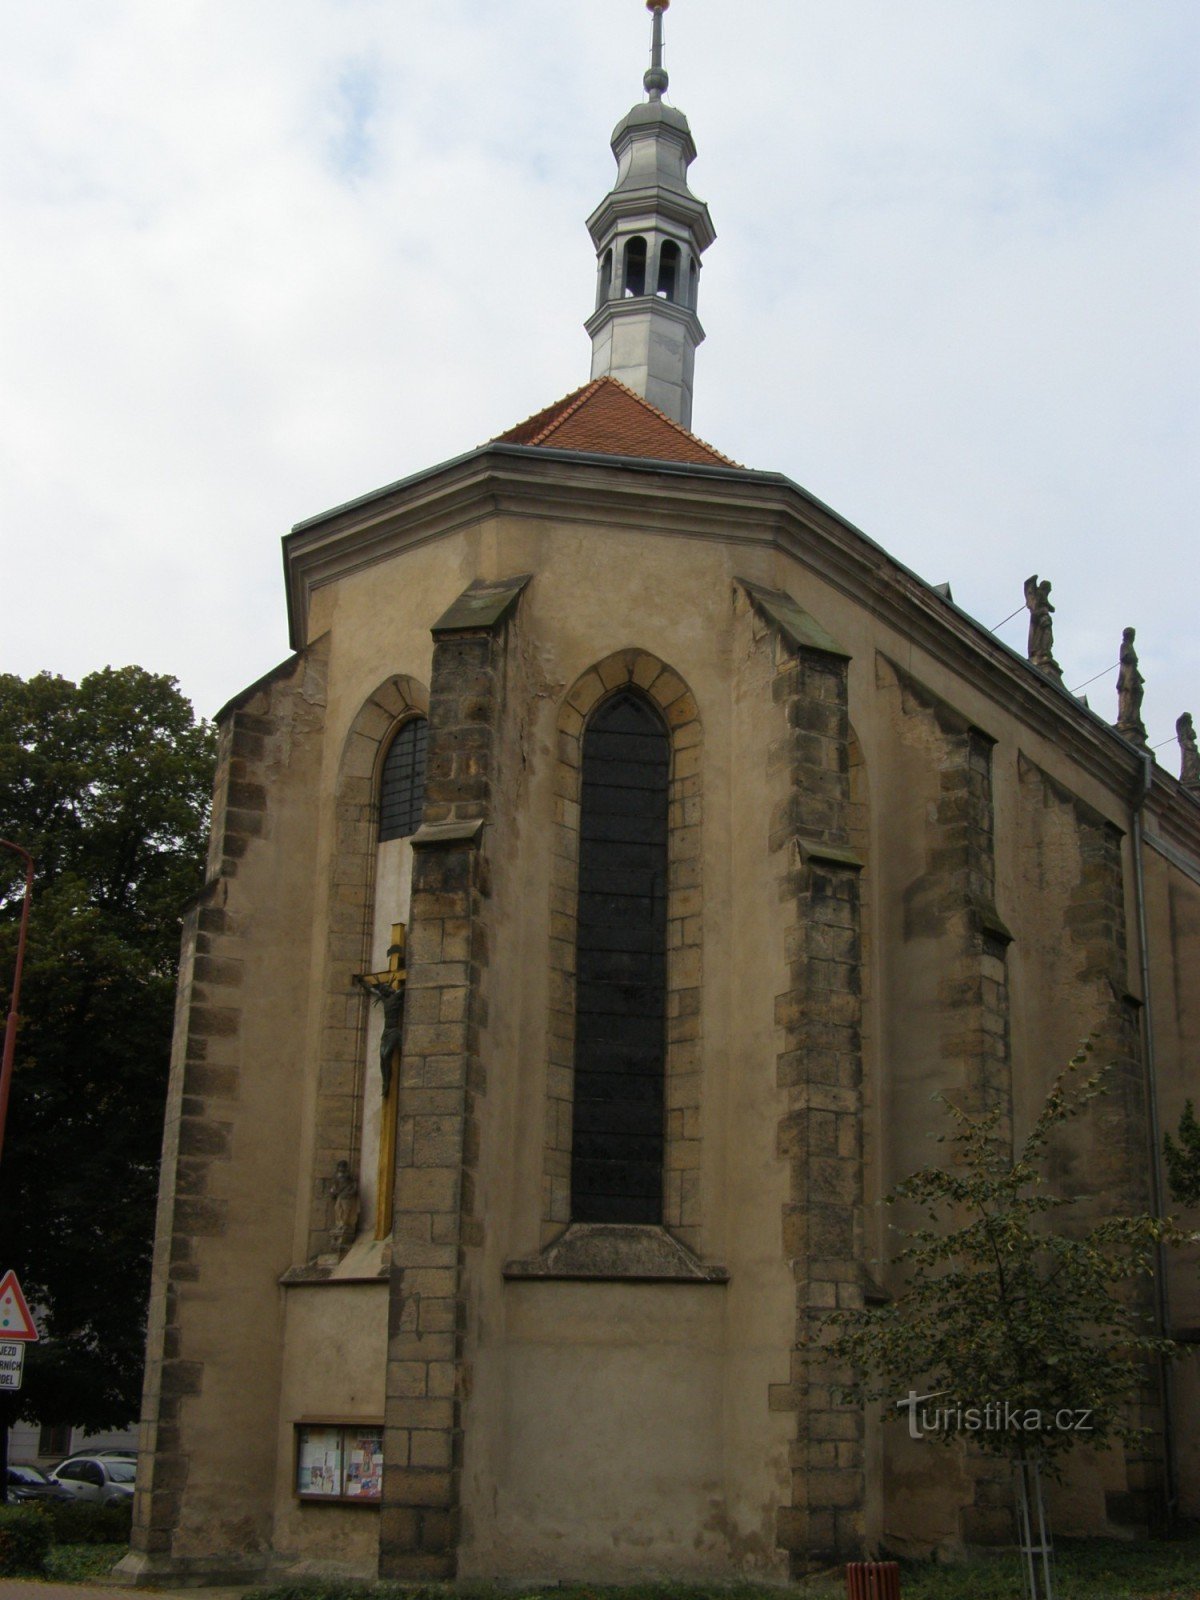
[[83, 1563], [80, 1522], [24, 1540]]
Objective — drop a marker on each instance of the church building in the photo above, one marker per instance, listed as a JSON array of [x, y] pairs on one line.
[[597, 897]]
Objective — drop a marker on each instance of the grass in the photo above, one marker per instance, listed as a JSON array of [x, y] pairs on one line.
[[1085, 1569]]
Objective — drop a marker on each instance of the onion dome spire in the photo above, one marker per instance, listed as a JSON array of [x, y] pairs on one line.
[[650, 232]]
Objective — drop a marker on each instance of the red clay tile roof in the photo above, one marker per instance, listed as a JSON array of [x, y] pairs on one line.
[[607, 417]]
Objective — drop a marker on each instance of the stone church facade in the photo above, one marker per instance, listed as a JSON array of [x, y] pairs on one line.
[[705, 843]]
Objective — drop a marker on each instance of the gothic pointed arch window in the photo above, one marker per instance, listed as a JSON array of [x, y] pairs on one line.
[[620, 996], [378, 804], [402, 781], [623, 1109]]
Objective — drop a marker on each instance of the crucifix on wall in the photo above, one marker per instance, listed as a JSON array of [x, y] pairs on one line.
[[387, 988]]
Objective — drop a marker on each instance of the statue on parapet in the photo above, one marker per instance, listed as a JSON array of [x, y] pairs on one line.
[[1041, 629], [1131, 687], [1189, 755]]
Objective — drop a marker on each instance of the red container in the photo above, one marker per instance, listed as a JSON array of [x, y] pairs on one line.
[[873, 1580]]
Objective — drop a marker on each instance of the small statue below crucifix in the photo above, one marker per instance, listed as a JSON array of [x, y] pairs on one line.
[[388, 988]]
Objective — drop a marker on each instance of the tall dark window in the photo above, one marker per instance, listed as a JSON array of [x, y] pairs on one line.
[[402, 782], [668, 271], [620, 986], [635, 266]]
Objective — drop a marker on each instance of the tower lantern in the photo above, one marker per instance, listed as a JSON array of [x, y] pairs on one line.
[[650, 232]]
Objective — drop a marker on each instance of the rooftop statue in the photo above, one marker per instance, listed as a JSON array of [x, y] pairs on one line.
[[1041, 629], [1189, 755], [1131, 686]]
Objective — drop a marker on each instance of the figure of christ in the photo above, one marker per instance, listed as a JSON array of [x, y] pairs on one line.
[[388, 989]]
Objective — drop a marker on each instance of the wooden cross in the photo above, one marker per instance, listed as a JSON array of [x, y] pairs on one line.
[[384, 985], [395, 974]]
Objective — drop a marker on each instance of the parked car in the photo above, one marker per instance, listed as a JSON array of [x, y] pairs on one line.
[[28, 1482], [104, 1480]]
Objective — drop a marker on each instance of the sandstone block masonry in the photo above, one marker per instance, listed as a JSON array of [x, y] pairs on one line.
[[211, 1125], [436, 1231], [819, 1066]]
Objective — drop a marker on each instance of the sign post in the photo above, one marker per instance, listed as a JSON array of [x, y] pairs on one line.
[[16, 1331], [15, 1321]]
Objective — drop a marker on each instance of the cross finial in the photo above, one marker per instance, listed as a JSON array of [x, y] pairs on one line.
[[656, 80]]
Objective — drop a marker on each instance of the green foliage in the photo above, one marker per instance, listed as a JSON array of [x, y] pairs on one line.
[[24, 1540], [1095, 1569], [1183, 1159], [824, 1588], [83, 1563], [1002, 1304], [107, 784], [85, 1522]]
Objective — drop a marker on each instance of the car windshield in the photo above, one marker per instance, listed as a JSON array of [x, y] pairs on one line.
[[122, 1471], [23, 1472]]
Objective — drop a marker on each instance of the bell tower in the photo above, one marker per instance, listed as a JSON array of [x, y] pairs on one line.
[[650, 232]]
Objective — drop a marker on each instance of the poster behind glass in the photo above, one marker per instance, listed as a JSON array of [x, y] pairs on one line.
[[363, 1459], [319, 1462]]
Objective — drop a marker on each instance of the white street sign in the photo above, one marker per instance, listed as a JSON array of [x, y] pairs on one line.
[[12, 1363]]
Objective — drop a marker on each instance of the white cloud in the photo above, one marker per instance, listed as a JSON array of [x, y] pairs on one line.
[[269, 257]]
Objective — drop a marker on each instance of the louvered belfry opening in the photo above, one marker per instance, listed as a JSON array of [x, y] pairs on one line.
[[620, 992]]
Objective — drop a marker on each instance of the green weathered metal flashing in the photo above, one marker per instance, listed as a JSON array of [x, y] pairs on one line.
[[800, 630], [481, 606]]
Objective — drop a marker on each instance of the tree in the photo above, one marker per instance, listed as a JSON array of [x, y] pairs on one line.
[[1009, 1329], [107, 784], [1183, 1159]]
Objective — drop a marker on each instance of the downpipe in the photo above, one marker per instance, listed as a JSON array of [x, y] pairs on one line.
[[1162, 1308]]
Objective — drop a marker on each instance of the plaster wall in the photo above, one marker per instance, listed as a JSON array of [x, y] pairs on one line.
[[615, 1429], [334, 1344]]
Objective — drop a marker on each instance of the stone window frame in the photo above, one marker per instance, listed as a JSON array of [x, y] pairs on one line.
[[667, 690], [355, 823]]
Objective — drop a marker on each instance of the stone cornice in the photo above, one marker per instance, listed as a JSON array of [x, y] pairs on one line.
[[646, 205], [646, 305], [734, 506], [1173, 815]]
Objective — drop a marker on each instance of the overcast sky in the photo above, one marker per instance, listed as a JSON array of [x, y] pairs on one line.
[[262, 256]]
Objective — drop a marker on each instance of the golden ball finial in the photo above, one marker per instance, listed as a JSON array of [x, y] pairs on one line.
[[657, 5]]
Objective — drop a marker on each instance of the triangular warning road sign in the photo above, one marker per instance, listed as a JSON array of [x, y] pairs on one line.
[[15, 1321]]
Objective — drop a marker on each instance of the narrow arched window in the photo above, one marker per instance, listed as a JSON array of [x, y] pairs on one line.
[[402, 781], [635, 266], [606, 271], [668, 271], [620, 965]]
